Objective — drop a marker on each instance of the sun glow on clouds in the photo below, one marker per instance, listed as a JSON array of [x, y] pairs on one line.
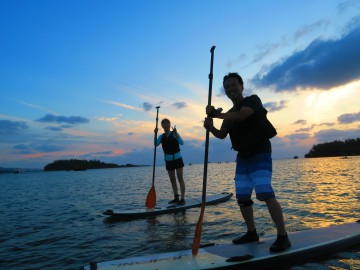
[[317, 108], [100, 154], [117, 152], [81, 133], [328, 105], [93, 152], [35, 155], [332, 97]]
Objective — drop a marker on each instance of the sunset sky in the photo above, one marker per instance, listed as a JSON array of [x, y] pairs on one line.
[[81, 78]]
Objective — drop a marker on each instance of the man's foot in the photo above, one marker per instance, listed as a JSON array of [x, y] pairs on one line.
[[282, 243], [181, 202], [175, 200], [250, 236]]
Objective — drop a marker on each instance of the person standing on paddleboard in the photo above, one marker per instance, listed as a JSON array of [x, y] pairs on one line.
[[250, 133], [170, 141]]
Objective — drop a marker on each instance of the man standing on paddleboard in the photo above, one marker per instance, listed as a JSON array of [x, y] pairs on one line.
[[170, 141], [250, 134]]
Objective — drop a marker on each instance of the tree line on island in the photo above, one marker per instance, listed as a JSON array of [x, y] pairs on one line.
[[350, 147], [81, 165]]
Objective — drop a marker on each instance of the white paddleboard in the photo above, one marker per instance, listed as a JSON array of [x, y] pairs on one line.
[[305, 245], [167, 208]]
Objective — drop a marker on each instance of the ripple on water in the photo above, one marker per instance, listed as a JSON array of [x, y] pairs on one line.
[[54, 220]]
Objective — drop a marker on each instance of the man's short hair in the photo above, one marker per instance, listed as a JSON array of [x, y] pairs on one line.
[[235, 75]]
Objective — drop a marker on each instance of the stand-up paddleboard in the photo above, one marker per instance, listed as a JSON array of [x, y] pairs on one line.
[[167, 208], [305, 245]]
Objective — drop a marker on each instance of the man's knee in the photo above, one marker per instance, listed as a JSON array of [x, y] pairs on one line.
[[245, 203], [265, 196]]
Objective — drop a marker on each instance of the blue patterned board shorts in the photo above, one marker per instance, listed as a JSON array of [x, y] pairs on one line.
[[254, 173]]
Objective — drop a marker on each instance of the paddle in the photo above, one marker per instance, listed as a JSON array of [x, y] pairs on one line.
[[197, 236], [151, 197]]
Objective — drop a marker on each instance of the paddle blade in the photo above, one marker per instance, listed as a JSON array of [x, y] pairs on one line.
[[197, 236], [151, 198]]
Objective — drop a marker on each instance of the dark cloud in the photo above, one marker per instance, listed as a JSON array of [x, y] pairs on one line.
[[270, 48], [59, 128], [275, 106], [24, 149], [11, 127], [131, 133], [50, 118], [36, 148], [54, 128], [330, 135], [349, 118], [66, 126], [302, 130], [326, 124], [147, 106], [323, 64], [300, 122], [313, 126], [298, 136], [179, 105]]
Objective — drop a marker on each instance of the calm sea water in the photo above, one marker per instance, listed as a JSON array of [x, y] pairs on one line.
[[53, 220]]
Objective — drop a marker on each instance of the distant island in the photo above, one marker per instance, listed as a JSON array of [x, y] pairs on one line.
[[82, 165], [350, 147]]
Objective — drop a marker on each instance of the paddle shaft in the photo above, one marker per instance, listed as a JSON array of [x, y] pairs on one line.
[[155, 138], [197, 237], [207, 130], [151, 197]]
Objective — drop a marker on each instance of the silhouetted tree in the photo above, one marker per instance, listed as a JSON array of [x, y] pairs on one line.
[[350, 147]]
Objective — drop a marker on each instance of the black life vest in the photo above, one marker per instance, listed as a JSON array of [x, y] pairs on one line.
[[169, 144], [253, 134]]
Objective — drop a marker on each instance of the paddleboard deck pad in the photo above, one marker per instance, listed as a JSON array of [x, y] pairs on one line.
[[305, 245], [168, 208]]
